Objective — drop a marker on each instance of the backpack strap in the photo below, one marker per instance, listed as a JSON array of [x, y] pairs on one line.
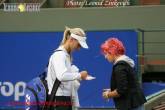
[[49, 106], [55, 86], [53, 92]]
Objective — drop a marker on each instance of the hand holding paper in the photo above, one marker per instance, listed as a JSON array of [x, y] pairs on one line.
[[84, 74], [89, 77]]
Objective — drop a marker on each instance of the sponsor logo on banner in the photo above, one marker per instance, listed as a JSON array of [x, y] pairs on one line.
[[8, 89]]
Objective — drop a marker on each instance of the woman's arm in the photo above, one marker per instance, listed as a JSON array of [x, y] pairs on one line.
[[61, 69], [121, 79]]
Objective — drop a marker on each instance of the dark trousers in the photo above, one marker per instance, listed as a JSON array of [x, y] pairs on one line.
[[63, 103]]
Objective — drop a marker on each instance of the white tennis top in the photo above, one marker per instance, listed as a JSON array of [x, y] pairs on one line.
[[60, 67]]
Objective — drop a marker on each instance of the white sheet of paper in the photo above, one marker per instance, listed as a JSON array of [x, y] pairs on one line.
[[90, 77]]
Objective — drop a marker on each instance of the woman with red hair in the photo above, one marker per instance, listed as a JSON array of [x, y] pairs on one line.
[[125, 89]]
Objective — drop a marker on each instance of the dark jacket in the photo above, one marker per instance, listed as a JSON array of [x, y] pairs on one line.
[[125, 81]]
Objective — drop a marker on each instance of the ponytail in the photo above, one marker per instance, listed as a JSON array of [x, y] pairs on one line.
[[65, 35]]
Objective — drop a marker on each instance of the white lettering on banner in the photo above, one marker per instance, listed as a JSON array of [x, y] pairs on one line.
[[19, 93], [8, 89], [5, 86]]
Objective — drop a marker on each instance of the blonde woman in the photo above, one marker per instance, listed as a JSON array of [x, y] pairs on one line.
[[60, 67]]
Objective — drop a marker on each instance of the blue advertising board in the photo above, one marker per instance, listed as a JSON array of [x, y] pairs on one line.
[[24, 55]]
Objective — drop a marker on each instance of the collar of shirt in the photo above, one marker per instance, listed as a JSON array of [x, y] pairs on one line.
[[63, 49], [119, 59]]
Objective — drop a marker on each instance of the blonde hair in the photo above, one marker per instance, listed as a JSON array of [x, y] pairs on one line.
[[66, 35], [68, 31]]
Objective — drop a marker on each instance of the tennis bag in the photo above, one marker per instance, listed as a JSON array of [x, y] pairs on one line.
[[36, 93]]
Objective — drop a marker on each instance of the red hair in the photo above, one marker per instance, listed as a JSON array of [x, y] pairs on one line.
[[113, 46]]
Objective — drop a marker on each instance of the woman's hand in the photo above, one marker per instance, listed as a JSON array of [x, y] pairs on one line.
[[106, 94], [110, 94], [84, 74]]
